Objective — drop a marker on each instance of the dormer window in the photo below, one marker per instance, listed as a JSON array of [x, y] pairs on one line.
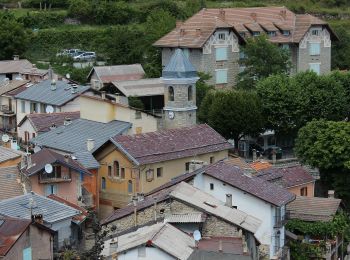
[[286, 32], [315, 32], [256, 33], [271, 33], [222, 36]]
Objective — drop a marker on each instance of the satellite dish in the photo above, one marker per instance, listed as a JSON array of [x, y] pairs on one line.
[[68, 76], [5, 138], [197, 235], [49, 109], [48, 168]]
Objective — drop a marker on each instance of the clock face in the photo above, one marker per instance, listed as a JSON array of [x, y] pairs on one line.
[[171, 114]]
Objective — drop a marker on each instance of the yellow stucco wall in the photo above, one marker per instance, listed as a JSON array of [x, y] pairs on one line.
[[297, 189], [96, 110]]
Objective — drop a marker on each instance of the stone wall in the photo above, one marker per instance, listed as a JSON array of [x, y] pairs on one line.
[[217, 227]]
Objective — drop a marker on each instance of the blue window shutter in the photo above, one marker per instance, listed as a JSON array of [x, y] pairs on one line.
[[27, 253], [221, 53], [315, 48], [221, 76]]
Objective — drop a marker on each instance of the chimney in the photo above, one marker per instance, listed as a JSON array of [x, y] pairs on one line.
[[134, 202], [53, 85], [38, 218], [283, 14], [228, 202], [15, 57], [90, 144], [254, 16], [220, 245], [53, 126], [179, 24], [74, 89], [254, 155], [140, 196], [198, 32], [222, 14], [182, 32], [331, 194], [155, 209], [274, 159], [50, 73], [103, 94], [66, 158], [67, 121]]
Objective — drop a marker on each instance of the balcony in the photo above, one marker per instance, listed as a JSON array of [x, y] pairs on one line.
[[43, 179], [6, 110]]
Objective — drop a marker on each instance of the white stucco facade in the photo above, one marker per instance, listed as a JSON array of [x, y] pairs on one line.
[[145, 253], [249, 204]]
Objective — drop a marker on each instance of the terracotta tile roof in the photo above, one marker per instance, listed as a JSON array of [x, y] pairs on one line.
[[208, 20], [240, 162], [12, 85], [313, 208], [79, 218], [291, 176], [235, 176], [171, 144], [260, 165], [14, 66], [47, 156], [9, 183], [10, 230], [43, 121]]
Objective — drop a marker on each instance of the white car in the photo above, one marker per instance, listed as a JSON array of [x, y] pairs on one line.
[[85, 56]]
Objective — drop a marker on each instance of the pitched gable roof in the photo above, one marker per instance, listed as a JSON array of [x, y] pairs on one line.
[[234, 176], [41, 92], [163, 236], [171, 144], [47, 156], [51, 210], [42, 122], [107, 74], [239, 20], [313, 208], [14, 66], [7, 154], [12, 85]]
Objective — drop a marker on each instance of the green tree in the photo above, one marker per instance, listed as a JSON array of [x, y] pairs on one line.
[[80, 9], [136, 103], [290, 102], [14, 38], [262, 58], [202, 88], [234, 113]]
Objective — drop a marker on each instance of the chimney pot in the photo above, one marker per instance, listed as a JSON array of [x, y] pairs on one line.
[[283, 13], [228, 200], [179, 24], [222, 14], [90, 144], [103, 94], [254, 155], [198, 32], [15, 57], [274, 157], [331, 194], [182, 32], [53, 85], [67, 121], [254, 16]]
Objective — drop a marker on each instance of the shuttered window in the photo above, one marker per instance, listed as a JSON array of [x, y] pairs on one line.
[[315, 67], [315, 48], [27, 253], [221, 76], [221, 53]]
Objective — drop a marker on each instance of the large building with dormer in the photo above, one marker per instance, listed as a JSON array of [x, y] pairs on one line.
[[212, 40]]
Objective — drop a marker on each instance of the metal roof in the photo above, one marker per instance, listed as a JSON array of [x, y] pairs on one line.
[[202, 200], [41, 92], [141, 87], [163, 236], [179, 66], [52, 211], [72, 138], [7, 154]]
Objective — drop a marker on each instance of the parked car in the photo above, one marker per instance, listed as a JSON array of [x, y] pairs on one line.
[[70, 52], [269, 151], [259, 150], [85, 56]]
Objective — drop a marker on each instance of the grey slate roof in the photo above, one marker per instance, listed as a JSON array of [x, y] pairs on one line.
[[7, 154], [42, 93], [52, 211], [179, 66], [72, 138]]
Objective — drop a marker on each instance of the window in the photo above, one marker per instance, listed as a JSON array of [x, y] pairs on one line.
[[171, 93], [26, 136], [116, 169], [51, 189], [212, 159], [221, 53], [222, 36], [109, 171], [150, 175], [23, 106], [271, 33], [27, 253], [186, 52], [303, 191], [221, 76], [130, 186], [211, 186], [286, 32], [256, 33], [57, 171], [33, 108], [187, 166], [42, 108], [122, 173], [314, 48], [159, 172], [141, 251], [285, 46], [315, 67], [190, 93], [138, 115], [103, 183], [33, 135], [315, 32]]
